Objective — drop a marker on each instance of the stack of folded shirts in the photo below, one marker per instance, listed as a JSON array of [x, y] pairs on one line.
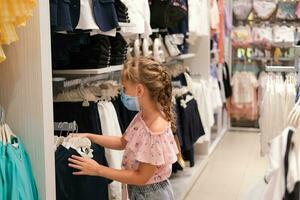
[[122, 12], [119, 48], [85, 51]]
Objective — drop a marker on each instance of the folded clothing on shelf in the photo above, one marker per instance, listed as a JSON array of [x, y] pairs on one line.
[[118, 50], [85, 51]]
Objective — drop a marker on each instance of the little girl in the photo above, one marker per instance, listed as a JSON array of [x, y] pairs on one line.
[[150, 148]]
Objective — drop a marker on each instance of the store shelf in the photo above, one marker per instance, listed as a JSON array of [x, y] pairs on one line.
[[185, 56], [183, 181], [88, 71], [244, 130]]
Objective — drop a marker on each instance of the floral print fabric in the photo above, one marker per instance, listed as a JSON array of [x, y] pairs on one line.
[[144, 146]]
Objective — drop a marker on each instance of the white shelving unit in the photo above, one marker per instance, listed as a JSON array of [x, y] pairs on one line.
[[88, 71], [187, 177], [185, 56]]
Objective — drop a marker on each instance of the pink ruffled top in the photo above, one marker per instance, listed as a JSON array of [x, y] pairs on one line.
[[157, 149]]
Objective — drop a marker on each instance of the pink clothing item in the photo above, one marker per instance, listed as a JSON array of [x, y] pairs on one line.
[[144, 146], [298, 10], [221, 31]]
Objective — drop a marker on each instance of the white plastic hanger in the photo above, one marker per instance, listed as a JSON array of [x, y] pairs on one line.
[[137, 48], [172, 48], [146, 44], [157, 51], [10, 135]]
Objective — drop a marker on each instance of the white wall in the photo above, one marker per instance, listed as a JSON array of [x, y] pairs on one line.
[[199, 65], [26, 95]]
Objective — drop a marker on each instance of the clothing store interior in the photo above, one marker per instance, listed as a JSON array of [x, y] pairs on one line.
[[220, 78]]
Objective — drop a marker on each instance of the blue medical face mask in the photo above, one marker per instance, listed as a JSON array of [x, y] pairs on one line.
[[130, 102]]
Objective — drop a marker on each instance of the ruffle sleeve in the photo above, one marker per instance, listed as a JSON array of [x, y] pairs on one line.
[[156, 150], [130, 129]]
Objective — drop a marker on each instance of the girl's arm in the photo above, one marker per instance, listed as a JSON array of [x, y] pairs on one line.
[[87, 166], [110, 142]]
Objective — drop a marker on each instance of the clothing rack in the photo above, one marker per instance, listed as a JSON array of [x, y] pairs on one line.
[[157, 30], [65, 126], [281, 69], [82, 81]]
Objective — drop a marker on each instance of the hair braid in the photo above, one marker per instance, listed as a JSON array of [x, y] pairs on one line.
[[165, 99]]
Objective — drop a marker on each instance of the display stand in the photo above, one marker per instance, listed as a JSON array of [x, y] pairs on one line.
[[26, 95]]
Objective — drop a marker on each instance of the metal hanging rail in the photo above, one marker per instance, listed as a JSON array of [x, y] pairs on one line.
[[112, 68], [65, 126], [281, 69]]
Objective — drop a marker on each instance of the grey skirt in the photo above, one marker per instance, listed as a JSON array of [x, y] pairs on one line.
[[156, 191]]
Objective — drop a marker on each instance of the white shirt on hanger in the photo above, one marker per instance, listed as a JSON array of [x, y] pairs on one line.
[[202, 94], [198, 9], [215, 93], [139, 15], [110, 126], [87, 20], [275, 176]]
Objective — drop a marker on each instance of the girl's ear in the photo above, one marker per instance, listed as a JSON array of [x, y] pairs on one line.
[[140, 90]]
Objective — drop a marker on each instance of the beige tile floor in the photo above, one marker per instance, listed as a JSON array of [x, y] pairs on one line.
[[234, 171]]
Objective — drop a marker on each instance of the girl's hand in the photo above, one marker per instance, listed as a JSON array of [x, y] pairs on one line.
[[86, 166]]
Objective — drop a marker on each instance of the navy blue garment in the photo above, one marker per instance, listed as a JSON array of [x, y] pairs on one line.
[[125, 116], [181, 78], [87, 118], [105, 14], [60, 15], [167, 13], [68, 186], [71, 187], [182, 27], [53, 13], [226, 80], [64, 14], [176, 166], [191, 127]]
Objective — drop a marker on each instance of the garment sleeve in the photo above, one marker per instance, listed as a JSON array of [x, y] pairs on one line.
[[160, 150], [129, 133], [154, 149]]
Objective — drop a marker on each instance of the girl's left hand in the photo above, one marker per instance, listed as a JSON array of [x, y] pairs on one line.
[[86, 166]]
